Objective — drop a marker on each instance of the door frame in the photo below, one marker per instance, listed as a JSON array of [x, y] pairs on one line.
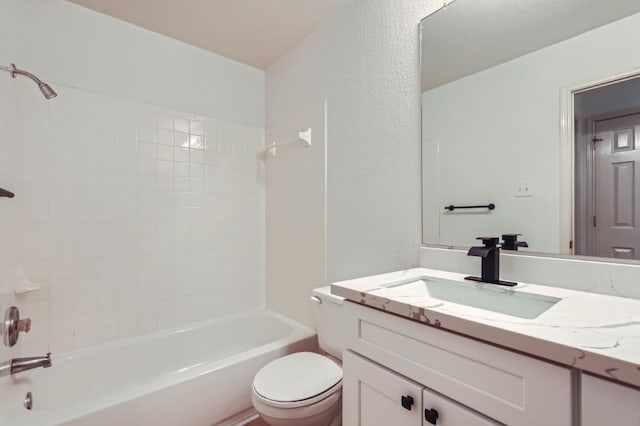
[[589, 135], [567, 151]]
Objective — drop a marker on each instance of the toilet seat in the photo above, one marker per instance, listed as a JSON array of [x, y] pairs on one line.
[[321, 412], [297, 380]]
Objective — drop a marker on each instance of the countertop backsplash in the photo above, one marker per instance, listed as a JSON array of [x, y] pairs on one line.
[[614, 279]]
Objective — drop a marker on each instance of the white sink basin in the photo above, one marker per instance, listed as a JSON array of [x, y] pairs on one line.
[[489, 297]]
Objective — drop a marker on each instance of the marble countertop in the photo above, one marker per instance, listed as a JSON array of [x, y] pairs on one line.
[[595, 333]]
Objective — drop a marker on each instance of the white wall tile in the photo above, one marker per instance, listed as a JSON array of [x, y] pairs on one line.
[[115, 222]]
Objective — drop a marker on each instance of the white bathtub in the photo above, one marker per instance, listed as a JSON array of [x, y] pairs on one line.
[[197, 375]]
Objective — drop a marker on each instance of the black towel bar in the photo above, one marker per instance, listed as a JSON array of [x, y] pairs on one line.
[[452, 207]]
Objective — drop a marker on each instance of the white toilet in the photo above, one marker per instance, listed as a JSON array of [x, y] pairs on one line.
[[305, 388]]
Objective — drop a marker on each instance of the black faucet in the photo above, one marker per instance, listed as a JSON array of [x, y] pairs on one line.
[[510, 242], [490, 254]]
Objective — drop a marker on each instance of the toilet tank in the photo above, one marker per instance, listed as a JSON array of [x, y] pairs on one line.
[[327, 311]]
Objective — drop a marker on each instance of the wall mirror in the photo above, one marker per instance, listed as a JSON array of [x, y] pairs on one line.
[[533, 107]]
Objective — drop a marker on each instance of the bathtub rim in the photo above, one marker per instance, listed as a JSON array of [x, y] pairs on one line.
[[297, 329], [298, 333]]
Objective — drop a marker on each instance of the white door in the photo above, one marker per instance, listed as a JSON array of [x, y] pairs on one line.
[[375, 396], [617, 188]]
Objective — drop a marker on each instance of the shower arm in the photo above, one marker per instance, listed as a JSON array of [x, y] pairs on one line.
[[15, 71], [46, 90]]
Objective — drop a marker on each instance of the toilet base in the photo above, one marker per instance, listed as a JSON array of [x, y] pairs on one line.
[[327, 412], [317, 420]]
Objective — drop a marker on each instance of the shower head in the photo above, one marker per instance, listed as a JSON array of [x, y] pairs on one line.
[[46, 90]]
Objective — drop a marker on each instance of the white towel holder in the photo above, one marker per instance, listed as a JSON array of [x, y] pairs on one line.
[[303, 136]]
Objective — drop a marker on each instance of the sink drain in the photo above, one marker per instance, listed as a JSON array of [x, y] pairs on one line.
[[28, 401]]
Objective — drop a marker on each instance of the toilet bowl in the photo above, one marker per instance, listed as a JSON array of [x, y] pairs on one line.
[[302, 389], [305, 388]]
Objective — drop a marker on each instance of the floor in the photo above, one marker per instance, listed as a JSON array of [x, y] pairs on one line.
[[256, 422]]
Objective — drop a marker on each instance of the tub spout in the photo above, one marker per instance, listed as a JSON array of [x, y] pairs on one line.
[[17, 365]]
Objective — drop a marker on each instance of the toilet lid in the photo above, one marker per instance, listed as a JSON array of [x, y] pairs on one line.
[[297, 377]]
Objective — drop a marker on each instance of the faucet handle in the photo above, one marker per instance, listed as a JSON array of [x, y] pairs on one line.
[[489, 241], [24, 325], [13, 325], [510, 242]]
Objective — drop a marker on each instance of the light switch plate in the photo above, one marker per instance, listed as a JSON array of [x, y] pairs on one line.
[[523, 188]]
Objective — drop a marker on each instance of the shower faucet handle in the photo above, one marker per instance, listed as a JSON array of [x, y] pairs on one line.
[[13, 326], [24, 325]]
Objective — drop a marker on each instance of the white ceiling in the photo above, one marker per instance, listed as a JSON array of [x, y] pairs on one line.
[[254, 32], [469, 36]]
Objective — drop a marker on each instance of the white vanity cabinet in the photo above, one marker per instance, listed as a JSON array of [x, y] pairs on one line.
[[373, 395], [607, 403], [508, 387], [376, 396]]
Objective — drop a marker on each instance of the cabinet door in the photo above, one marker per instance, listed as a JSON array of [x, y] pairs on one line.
[[511, 388], [374, 396], [606, 403], [442, 411]]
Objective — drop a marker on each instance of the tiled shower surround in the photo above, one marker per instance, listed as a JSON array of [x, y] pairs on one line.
[[133, 218]]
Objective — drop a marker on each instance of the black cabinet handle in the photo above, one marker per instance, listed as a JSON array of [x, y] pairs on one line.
[[431, 416], [407, 402]]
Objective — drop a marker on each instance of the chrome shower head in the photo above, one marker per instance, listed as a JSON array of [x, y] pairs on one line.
[[46, 90]]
